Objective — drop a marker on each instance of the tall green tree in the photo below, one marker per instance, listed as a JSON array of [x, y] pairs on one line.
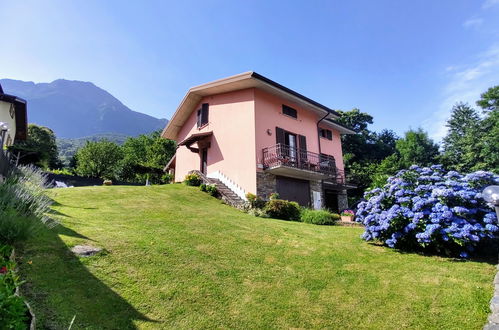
[[39, 148], [489, 127], [99, 160], [416, 148], [460, 147], [363, 151], [489, 100], [145, 157]]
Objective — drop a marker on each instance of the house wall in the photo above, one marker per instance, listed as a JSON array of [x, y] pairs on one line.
[[232, 151], [5, 116], [268, 112]]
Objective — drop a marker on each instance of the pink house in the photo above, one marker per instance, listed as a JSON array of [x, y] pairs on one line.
[[255, 135]]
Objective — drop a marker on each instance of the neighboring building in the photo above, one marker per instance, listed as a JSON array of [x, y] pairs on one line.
[[13, 125], [257, 136]]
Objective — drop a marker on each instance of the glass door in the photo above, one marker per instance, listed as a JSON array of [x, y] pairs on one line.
[[291, 143]]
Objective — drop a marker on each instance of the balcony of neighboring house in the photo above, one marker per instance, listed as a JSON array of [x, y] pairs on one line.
[[285, 160]]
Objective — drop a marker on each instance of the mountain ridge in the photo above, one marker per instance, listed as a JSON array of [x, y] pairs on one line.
[[75, 109]]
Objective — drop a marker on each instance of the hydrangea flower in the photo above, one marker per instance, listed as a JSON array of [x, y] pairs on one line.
[[430, 208]]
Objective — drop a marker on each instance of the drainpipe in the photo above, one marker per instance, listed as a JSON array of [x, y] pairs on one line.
[[318, 136], [320, 151]]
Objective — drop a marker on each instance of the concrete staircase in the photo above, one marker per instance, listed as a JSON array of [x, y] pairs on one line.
[[227, 195]]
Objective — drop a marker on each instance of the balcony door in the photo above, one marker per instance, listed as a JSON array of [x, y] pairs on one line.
[[293, 146], [290, 141]]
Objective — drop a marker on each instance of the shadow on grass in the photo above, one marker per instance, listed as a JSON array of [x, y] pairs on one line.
[[59, 287], [484, 253], [70, 232], [56, 203]]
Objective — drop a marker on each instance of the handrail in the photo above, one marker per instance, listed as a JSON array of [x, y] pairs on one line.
[[284, 155]]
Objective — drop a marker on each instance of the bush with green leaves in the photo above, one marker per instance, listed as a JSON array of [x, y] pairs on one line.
[[260, 213], [255, 202], [284, 210], [192, 179], [209, 188], [319, 217], [13, 311], [23, 203]]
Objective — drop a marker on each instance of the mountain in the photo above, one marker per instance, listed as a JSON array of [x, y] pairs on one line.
[[74, 109]]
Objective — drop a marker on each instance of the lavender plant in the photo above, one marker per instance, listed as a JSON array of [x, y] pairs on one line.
[[23, 202], [431, 209]]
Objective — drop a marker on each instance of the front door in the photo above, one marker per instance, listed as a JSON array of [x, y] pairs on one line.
[[204, 160]]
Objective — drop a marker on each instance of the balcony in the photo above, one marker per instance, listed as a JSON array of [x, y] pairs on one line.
[[287, 161]]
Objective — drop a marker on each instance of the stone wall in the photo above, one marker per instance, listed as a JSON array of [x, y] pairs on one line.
[[266, 184]]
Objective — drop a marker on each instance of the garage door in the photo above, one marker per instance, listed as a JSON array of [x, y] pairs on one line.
[[294, 190]]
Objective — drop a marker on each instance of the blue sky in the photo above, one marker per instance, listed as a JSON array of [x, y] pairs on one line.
[[405, 62]]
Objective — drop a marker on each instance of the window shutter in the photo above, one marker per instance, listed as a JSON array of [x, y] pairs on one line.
[[204, 114], [280, 135], [302, 144], [199, 118]]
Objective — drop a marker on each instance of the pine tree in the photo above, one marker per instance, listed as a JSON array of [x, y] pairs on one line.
[[460, 148]]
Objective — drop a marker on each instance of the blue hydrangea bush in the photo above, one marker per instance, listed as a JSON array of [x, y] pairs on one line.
[[428, 208]]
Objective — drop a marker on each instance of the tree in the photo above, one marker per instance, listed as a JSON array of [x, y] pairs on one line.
[[489, 100], [363, 151], [460, 148], [40, 148], [489, 146], [145, 157], [489, 126], [416, 148], [99, 159]]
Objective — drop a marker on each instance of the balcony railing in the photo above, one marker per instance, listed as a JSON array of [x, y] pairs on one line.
[[283, 155]]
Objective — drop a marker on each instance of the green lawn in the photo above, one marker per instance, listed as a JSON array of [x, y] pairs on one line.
[[177, 258]]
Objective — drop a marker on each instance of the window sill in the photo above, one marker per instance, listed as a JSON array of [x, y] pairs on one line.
[[203, 126], [288, 116], [323, 138]]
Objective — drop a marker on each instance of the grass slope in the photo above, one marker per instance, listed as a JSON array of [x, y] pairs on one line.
[[177, 258]]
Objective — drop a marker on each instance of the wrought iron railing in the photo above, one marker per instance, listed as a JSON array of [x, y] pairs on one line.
[[284, 155]]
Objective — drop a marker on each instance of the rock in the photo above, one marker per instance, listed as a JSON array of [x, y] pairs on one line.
[[85, 250]]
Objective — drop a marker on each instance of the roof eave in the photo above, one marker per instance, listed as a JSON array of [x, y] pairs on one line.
[[233, 83]]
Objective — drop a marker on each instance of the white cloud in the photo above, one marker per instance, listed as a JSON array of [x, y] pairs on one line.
[[473, 22], [464, 85], [490, 3]]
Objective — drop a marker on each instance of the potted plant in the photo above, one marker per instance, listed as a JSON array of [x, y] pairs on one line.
[[347, 215]]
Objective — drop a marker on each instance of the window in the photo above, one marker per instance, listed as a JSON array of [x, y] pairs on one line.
[[288, 111], [202, 115], [326, 133]]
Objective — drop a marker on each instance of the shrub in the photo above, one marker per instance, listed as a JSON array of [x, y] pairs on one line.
[[281, 209], [167, 178], [258, 213], [14, 227], [62, 171], [22, 203], [318, 217], [426, 208], [192, 179], [13, 311], [274, 196], [212, 190], [255, 201], [209, 188]]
